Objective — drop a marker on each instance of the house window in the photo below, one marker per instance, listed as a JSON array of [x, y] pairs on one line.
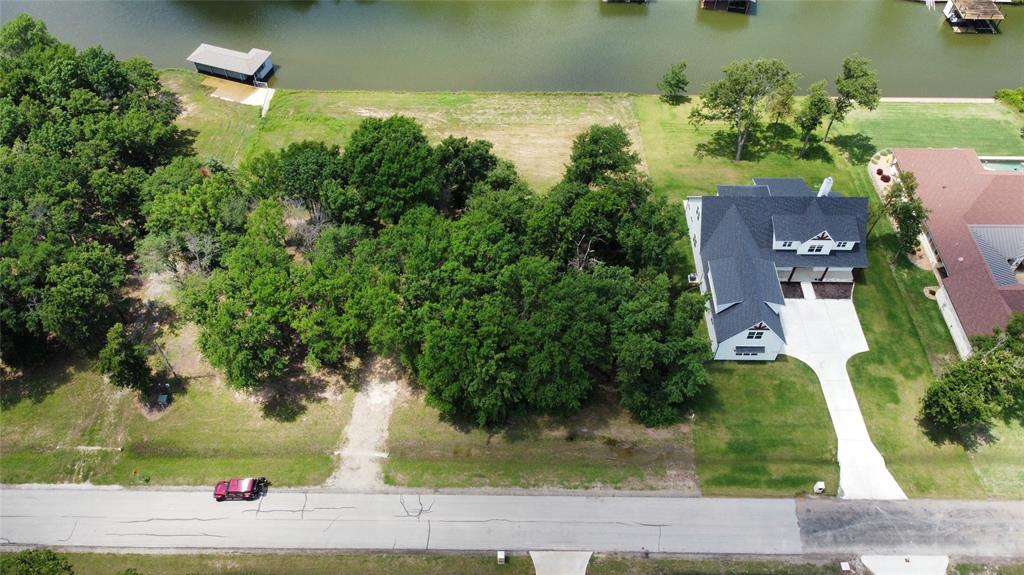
[[842, 244], [787, 244], [816, 249], [741, 350], [755, 334]]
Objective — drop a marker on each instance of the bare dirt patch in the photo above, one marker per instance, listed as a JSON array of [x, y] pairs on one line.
[[367, 431]]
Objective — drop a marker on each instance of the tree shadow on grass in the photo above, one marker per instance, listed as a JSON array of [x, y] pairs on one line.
[[761, 141], [857, 147], [818, 152], [969, 438], [722, 144], [35, 382], [287, 397]]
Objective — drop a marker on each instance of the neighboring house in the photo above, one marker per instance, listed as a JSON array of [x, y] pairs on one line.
[[749, 240], [974, 234]]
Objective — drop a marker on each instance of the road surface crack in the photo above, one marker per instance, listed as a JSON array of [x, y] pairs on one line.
[[172, 519], [417, 513], [73, 527], [428, 535], [166, 535]]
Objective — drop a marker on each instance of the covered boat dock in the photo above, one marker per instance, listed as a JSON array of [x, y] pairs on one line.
[[973, 16], [250, 68]]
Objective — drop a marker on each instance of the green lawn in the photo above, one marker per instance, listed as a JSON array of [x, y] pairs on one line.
[[764, 429], [375, 564], [670, 146], [991, 129], [209, 432], [599, 447], [222, 129]]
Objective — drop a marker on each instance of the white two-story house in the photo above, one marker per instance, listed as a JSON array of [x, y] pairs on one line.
[[750, 240]]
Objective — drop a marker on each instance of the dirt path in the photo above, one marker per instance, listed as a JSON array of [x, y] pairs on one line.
[[366, 434]]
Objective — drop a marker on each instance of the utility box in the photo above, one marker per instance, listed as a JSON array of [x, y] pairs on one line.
[[819, 487], [501, 557]]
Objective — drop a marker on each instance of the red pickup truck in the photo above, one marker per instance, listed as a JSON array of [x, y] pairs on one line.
[[246, 489]]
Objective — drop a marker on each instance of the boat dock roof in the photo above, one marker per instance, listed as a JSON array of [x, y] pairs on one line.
[[978, 9], [217, 57]]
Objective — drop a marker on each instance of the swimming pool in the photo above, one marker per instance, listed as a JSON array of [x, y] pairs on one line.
[[1004, 165]]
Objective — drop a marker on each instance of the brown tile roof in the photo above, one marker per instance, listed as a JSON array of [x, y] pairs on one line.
[[959, 192]]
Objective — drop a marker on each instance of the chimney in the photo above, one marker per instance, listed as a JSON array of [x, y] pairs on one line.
[[826, 187]]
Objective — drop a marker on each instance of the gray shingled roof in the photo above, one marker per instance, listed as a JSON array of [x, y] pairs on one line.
[[802, 227], [785, 186], [724, 190], [999, 245], [736, 245], [740, 274], [756, 213]]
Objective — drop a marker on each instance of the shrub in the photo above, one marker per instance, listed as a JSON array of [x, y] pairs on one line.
[[35, 562], [1013, 97], [879, 171], [886, 178]]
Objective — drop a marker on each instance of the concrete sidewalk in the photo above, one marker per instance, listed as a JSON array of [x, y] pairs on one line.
[[825, 334]]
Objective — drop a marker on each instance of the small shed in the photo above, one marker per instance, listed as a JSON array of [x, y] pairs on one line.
[[978, 16], [254, 66]]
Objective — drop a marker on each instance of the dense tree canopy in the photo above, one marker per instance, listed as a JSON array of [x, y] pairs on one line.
[[80, 131], [497, 300], [245, 308], [391, 167]]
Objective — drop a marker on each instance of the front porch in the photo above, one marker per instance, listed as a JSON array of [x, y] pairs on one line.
[[815, 275]]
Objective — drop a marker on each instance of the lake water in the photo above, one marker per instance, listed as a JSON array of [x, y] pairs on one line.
[[550, 45]]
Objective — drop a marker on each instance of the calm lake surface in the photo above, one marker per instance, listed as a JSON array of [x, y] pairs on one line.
[[549, 45]]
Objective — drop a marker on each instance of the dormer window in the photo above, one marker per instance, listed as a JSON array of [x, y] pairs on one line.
[[815, 249], [755, 334], [787, 244], [841, 245]]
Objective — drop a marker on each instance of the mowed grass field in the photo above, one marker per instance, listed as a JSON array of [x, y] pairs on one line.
[[74, 433], [600, 447], [764, 429], [534, 131], [988, 128], [379, 564]]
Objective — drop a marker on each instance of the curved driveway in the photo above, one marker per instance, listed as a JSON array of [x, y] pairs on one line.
[[825, 334]]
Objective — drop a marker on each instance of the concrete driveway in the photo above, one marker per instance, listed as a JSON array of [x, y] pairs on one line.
[[824, 334]]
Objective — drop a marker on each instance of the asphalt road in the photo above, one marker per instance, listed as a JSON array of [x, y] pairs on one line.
[[165, 520]]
